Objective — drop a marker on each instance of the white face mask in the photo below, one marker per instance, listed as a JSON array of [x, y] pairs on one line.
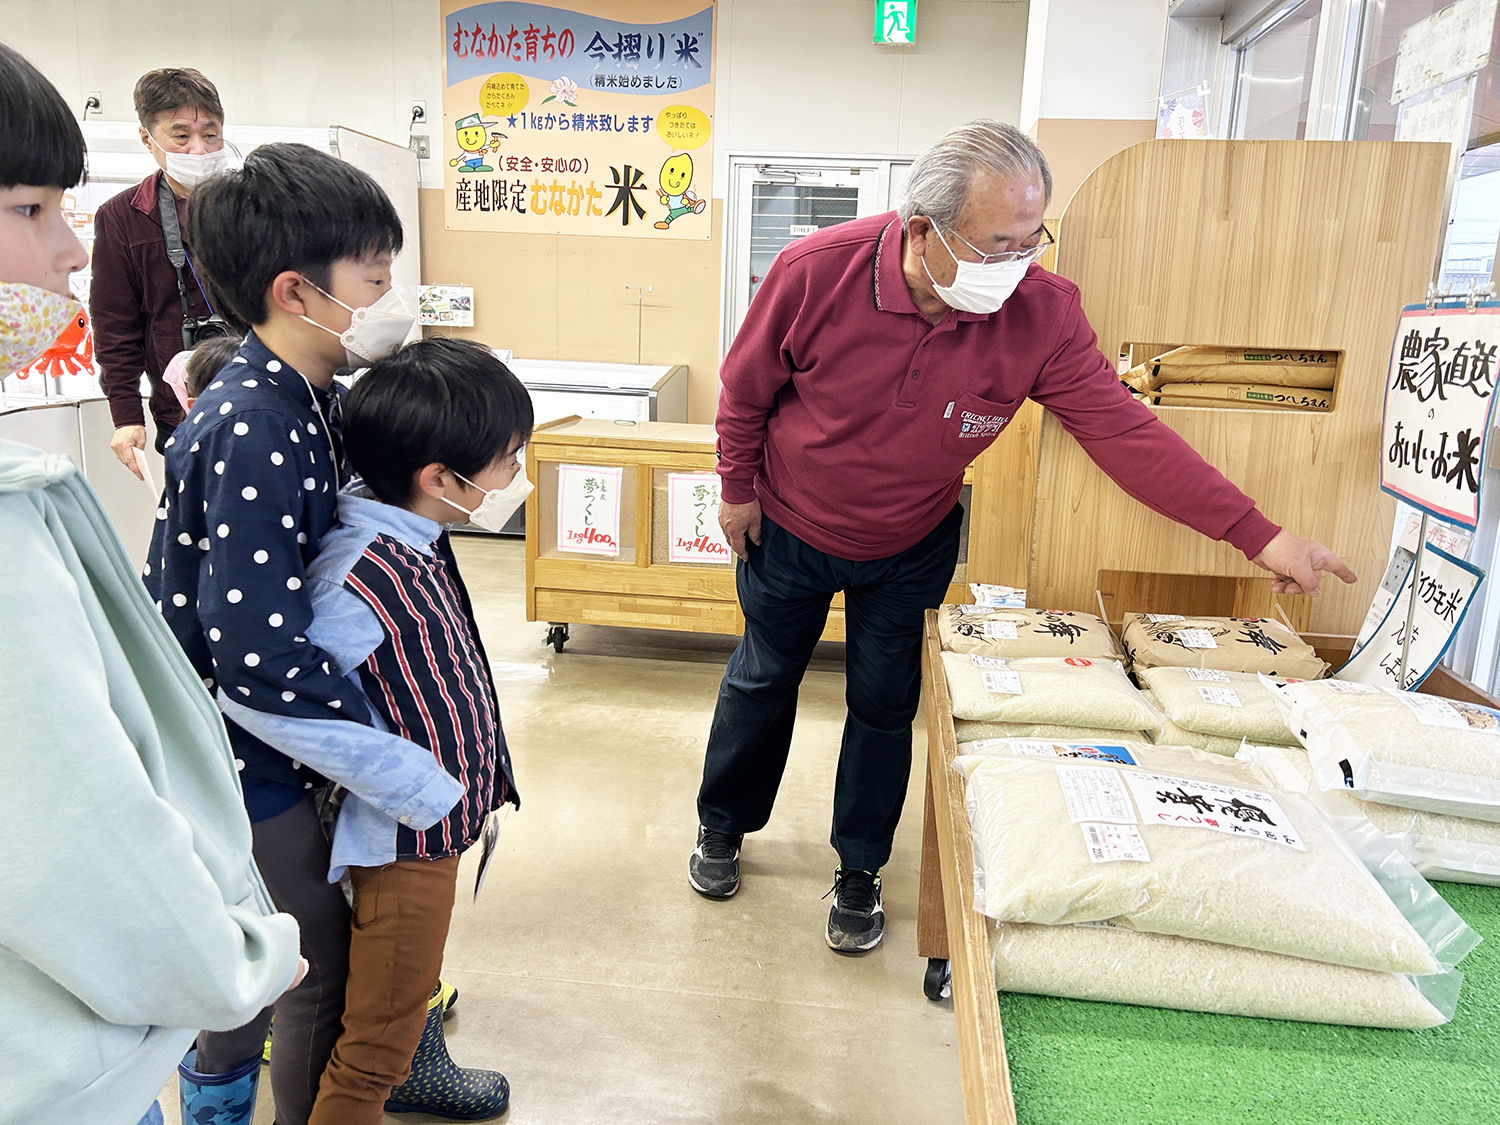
[[977, 287], [498, 505], [191, 168], [377, 330], [31, 320]]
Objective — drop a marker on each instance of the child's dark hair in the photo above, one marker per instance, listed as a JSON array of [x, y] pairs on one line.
[[439, 401], [206, 360], [290, 207], [41, 144]]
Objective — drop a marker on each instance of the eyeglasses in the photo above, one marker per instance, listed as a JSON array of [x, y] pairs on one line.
[[1027, 255]]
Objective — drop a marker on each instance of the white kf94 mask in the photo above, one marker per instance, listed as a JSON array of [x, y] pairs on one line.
[[375, 331], [498, 505]]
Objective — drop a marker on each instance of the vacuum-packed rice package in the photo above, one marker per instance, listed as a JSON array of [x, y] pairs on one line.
[[1006, 633], [1230, 644], [970, 730], [1315, 369], [1399, 747], [1115, 751], [1443, 848], [1062, 842], [1100, 961], [1170, 734], [1211, 701], [1066, 691]]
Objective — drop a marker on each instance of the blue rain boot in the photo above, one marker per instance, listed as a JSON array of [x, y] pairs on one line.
[[218, 1099], [440, 1087]]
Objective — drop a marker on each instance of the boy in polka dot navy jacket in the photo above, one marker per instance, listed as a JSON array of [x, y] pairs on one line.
[[293, 243]]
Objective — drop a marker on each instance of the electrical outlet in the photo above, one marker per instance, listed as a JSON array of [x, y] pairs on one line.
[[421, 144], [418, 113], [94, 103]]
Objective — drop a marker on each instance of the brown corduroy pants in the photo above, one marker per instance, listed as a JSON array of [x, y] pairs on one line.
[[401, 916]]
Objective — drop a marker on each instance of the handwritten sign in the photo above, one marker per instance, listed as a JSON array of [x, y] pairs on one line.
[[1444, 590], [584, 118], [1438, 399], [588, 509], [693, 519]]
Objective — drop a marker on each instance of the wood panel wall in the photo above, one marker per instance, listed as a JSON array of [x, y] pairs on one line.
[[1284, 244]]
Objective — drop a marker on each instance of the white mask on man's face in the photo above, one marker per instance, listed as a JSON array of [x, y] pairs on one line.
[[977, 287], [191, 168]]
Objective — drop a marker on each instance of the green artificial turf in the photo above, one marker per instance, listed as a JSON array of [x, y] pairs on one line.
[[1112, 1064]]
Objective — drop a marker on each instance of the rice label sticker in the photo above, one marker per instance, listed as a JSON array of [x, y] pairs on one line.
[[975, 610], [1431, 711], [1350, 687], [1159, 618], [1196, 638], [1208, 675], [588, 509], [1095, 794], [988, 662], [1001, 681], [1179, 802], [1439, 396], [1113, 843], [1000, 630], [693, 532], [1223, 696], [1037, 748]]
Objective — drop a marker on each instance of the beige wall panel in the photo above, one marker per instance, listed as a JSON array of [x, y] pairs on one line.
[[1244, 243]]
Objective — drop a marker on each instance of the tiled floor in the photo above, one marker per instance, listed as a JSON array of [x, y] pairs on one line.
[[604, 988]]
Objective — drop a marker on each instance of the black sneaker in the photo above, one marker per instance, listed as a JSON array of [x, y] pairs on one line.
[[714, 867], [857, 921]]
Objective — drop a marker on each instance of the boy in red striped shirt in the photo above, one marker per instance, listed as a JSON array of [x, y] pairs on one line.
[[433, 431]]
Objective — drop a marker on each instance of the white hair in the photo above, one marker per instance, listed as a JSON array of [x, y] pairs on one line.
[[939, 181]]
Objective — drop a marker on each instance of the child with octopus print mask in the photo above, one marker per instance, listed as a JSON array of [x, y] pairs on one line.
[[133, 913]]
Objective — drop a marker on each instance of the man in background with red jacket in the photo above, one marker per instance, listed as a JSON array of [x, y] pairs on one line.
[[879, 358], [145, 309]]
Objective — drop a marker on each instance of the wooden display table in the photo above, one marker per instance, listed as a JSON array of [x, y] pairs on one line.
[[640, 588]]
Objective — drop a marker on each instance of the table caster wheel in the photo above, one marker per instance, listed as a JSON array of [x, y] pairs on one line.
[[557, 636], [937, 982]]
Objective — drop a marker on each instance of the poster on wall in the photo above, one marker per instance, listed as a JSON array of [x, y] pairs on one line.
[[588, 509], [1439, 395], [594, 117], [1183, 116], [446, 306], [1445, 589], [693, 531]]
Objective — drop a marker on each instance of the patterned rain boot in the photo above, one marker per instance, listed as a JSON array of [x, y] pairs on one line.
[[440, 1087], [218, 1099]]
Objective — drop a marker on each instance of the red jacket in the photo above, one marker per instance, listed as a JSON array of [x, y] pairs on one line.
[[852, 417], [133, 302]]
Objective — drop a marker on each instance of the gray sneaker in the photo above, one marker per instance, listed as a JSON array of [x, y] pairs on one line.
[[857, 921], [714, 867]]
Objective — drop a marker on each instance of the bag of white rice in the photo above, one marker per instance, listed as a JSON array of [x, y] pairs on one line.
[[968, 730], [1198, 364], [1007, 633], [1210, 701], [1115, 751], [1100, 961], [1166, 853], [1231, 644], [1072, 691], [1399, 747], [1443, 848]]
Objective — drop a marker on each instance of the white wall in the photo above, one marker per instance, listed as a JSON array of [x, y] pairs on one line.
[[794, 75], [1093, 59]]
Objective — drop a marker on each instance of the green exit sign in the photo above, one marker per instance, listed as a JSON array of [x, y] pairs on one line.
[[896, 21]]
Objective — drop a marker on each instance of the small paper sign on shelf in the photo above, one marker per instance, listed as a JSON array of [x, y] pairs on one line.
[[1439, 396], [588, 509], [1443, 593], [693, 531]]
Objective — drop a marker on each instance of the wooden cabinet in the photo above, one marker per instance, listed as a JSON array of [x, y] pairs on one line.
[[639, 587]]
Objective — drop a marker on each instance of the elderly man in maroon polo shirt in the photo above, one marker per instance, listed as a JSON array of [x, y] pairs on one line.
[[145, 306], [879, 358]]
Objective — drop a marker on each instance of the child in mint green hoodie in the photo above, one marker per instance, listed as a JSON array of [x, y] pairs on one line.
[[133, 913]]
